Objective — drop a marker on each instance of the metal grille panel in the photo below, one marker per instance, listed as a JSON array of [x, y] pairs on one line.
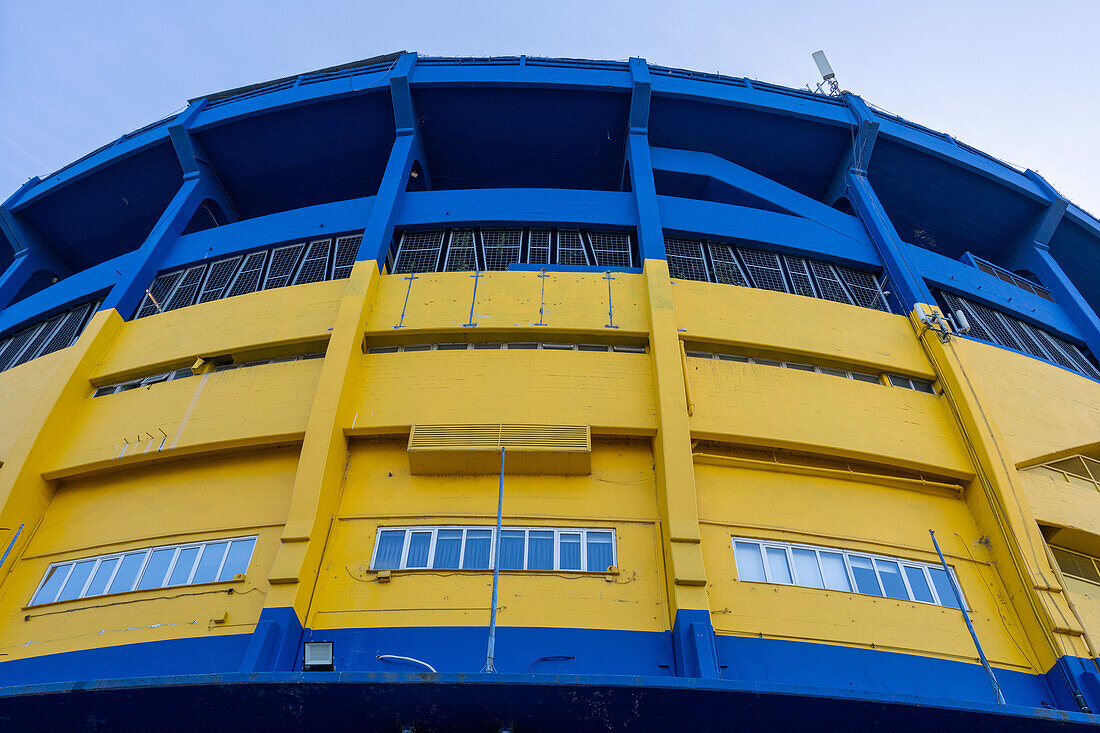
[[1078, 355], [764, 269], [612, 249], [863, 287], [800, 276], [248, 279], [40, 338], [977, 326], [217, 278], [727, 269], [157, 295], [184, 294], [314, 267], [461, 252], [685, 259], [1031, 344], [68, 331], [538, 247], [995, 326], [828, 282], [1058, 353], [571, 248], [501, 247], [418, 252], [17, 345], [283, 260], [346, 250]]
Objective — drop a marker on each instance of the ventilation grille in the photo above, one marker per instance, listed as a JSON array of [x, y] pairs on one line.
[[475, 449]]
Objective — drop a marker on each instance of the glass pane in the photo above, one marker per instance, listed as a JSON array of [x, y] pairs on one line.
[[778, 569], [240, 553], [448, 548], [570, 551], [98, 586], [899, 381], [390, 544], [184, 563], [836, 575], [209, 563], [127, 572], [805, 567], [750, 566], [890, 575], [156, 569], [599, 551], [76, 580], [943, 587], [918, 584], [419, 545], [511, 549], [864, 572], [55, 576], [540, 550], [478, 544]]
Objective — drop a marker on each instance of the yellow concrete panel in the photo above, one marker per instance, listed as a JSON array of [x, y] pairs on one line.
[[1062, 504], [600, 389], [795, 325], [279, 316], [819, 413], [1086, 597], [509, 300], [830, 512], [248, 406], [1042, 410], [20, 389], [379, 491]]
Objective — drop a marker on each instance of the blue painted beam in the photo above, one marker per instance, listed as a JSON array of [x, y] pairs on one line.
[[720, 169], [651, 236], [906, 281], [32, 253], [858, 155], [517, 206]]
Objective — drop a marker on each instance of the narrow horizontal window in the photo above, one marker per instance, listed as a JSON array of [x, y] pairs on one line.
[[153, 379], [472, 548], [783, 563], [154, 567], [520, 345]]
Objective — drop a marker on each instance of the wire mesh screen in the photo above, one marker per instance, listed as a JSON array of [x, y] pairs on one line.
[[801, 284], [67, 333], [283, 260], [685, 259], [184, 294], [863, 287], [314, 267], [39, 339], [501, 247], [764, 269], [1077, 355], [978, 328], [461, 252], [828, 282], [727, 269], [418, 252], [16, 346], [346, 250], [612, 249], [157, 295], [571, 248], [1030, 343], [217, 278], [248, 279], [538, 247], [996, 326]]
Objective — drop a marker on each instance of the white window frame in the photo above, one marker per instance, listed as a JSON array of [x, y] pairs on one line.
[[902, 563], [434, 529], [147, 553]]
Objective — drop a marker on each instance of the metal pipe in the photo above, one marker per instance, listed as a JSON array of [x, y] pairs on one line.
[[10, 545], [490, 653], [966, 617], [687, 383]]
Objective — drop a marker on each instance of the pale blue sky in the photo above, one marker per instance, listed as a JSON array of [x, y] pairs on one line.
[[1016, 79]]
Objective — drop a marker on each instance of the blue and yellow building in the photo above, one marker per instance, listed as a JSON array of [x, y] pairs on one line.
[[743, 347]]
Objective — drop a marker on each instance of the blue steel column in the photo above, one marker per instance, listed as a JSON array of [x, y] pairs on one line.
[[1033, 254], [406, 151], [199, 184], [905, 279], [31, 252], [694, 645]]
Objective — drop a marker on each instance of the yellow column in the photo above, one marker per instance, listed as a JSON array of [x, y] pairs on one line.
[[317, 483]]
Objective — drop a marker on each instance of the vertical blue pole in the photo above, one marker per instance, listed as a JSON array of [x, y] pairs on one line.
[[11, 545], [490, 653]]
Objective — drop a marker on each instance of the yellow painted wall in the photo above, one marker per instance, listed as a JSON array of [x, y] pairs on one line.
[[1063, 504], [179, 501], [20, 389], [379, 491], [850, 515], [764, 405]]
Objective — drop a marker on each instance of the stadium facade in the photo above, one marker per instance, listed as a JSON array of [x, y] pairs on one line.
[[743, 347]]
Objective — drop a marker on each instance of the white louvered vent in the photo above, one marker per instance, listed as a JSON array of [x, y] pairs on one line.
[[475, 449]]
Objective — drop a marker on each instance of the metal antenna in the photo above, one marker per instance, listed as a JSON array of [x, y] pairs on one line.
[[828, 76]]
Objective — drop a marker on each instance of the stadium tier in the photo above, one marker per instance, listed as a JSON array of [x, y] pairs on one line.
[[531, 394]]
